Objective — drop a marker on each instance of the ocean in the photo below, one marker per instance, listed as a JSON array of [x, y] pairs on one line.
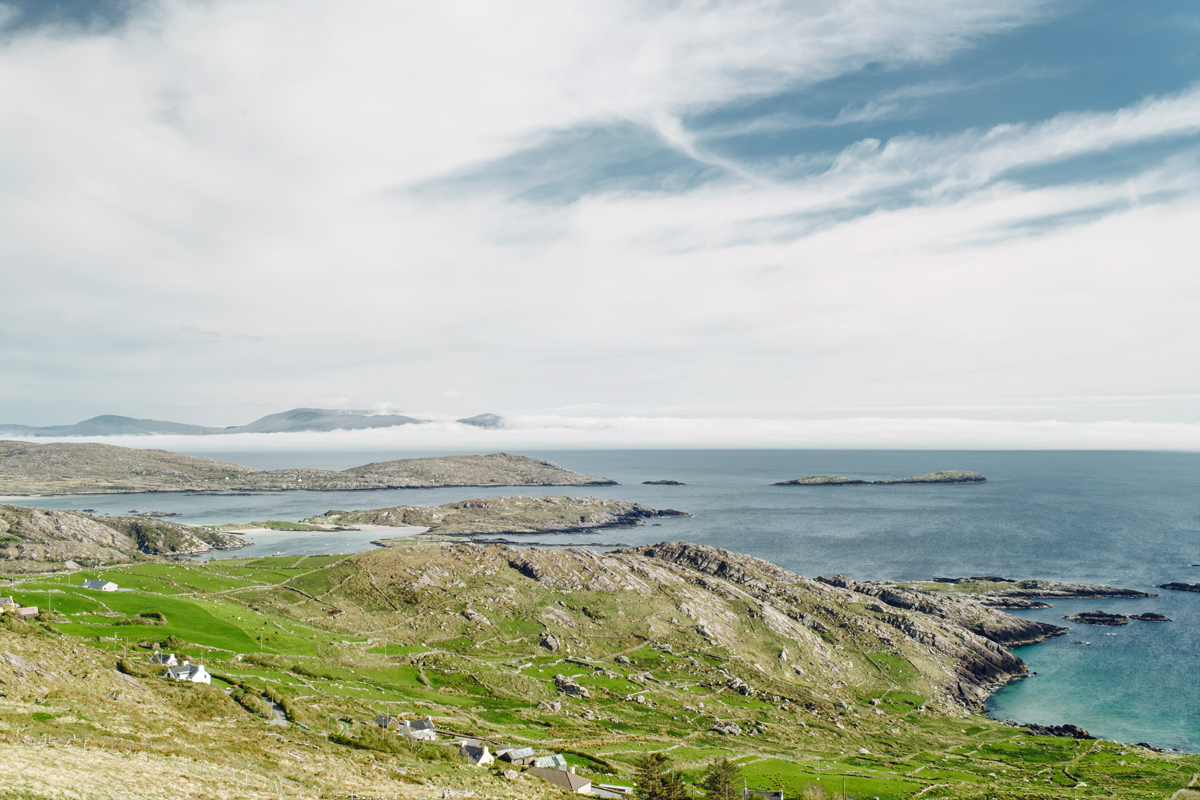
[[1123, 519]]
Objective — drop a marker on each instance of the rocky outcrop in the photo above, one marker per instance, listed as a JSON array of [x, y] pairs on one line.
[[1067, 731], [1176, 586], [1150, 616], [570, 687], [1098, 618], [823, 480], [663, 483]]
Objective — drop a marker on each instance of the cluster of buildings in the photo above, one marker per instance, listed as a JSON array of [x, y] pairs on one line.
[[552, 768], [10, 606]]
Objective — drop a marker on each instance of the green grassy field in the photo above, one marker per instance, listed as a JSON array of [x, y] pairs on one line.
[[393, 648]]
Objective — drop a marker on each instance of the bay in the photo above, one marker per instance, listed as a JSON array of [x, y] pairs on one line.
[[1125, 519]]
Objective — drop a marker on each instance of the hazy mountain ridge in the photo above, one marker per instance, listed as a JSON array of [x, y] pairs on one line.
[[293, 421], [67, 468]]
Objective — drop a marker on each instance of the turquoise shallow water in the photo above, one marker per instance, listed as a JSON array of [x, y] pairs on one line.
[[1123, 519]]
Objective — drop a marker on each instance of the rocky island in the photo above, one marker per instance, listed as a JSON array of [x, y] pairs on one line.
[[1176, 586], [945, 476], [508, 515], [37, 469]]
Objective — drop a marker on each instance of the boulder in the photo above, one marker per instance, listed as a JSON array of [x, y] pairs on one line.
[[570, 687]]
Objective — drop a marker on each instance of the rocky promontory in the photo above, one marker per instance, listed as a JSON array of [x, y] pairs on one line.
[[946, 476], [509, 515], [1006, 593], [663, 483], [41, 540]]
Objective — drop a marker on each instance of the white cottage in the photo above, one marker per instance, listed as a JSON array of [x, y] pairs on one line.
[[196, 673], [100, 586], [476, 752], [420, 729]]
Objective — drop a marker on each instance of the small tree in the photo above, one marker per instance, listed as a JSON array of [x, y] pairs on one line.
[[653, 784], [721, 780]]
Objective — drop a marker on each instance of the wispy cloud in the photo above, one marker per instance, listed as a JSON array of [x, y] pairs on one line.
[[236, 200]]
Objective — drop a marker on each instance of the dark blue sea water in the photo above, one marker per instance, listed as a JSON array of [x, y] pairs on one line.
[[1115, 518]]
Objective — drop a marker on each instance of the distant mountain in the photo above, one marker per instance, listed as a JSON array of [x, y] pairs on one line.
[[483, 421], [298, 419], [111, 425], [321, 419]]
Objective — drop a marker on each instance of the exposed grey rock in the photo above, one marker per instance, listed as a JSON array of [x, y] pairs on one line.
[[726, 728], [570, 687]]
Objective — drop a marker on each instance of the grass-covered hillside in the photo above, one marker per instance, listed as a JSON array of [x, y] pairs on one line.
[[689, 651], [31, 469]]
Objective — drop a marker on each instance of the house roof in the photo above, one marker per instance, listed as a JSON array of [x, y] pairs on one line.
[[560, 777], [186, 671], [515, 753], [386, 721], [475, 752], [162, 658], [420, 724], [554, 761], [90, 584]]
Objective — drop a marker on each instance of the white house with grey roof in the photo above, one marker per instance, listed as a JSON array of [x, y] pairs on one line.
[[195, 673], [419, 729], [100, 586]]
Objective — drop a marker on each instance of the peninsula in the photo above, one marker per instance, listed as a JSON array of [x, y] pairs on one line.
[[946, 476], [598, 661], [35, 469], [512, 515]]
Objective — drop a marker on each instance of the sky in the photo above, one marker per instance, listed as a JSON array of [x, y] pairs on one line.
[[672, 223]]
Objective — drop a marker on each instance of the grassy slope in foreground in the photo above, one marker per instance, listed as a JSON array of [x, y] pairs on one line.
[[27, 469], [828, 681], [505, 515]]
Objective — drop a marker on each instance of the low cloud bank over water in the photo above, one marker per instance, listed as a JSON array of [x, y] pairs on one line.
[[632, 432]]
